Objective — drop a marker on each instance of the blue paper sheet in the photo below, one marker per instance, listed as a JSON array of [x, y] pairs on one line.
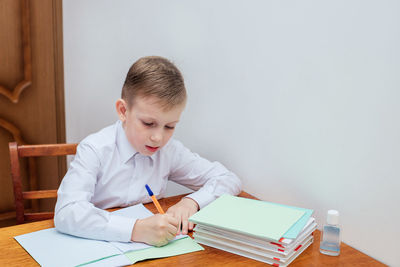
[[294, 231], [52, 248]]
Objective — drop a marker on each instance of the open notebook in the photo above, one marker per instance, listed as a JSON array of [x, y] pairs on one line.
[[52, 248]]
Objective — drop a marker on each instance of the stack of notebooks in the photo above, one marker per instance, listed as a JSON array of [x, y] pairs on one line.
[[272, 233]]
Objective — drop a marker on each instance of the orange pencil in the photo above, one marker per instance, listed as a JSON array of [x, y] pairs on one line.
[[155, 201]]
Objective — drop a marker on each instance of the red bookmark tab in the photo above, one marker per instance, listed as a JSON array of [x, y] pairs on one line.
[[280, 240], [281, 250], [277, 259], [276, 244], [297, 248], [275, 264]]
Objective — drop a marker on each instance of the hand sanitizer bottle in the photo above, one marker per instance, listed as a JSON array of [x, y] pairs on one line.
[[330, 241]]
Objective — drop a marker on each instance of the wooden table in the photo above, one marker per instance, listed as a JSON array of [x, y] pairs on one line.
[[12, 254]]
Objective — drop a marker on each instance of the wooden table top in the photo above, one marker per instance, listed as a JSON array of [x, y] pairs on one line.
[[12, 254]]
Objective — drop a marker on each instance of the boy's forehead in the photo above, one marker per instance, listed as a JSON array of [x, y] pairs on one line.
[[151, 108]]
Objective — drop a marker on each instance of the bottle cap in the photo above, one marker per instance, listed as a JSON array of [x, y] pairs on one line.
[[332, 217]]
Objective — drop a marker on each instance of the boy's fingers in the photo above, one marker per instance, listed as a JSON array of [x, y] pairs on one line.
[[170, 211], [162, 243], [173, 220], [177, 216], [172, 230], [185, 225], [191, 225], [170, 237], [178, 229]]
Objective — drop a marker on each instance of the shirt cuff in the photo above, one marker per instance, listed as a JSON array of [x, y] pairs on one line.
[[203, 198], [120, 228]]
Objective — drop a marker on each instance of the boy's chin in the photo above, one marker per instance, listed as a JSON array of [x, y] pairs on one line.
[[148, 152]]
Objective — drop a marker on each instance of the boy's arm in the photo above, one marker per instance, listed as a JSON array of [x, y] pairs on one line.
[[211, 179], [75, 214]]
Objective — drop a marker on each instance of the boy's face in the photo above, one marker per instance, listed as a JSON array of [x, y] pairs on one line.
[[147, 125]]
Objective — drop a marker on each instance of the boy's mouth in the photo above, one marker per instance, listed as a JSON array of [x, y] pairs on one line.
[[152, 148]]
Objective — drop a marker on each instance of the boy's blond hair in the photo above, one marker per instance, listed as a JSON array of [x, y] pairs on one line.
[[154, 76]]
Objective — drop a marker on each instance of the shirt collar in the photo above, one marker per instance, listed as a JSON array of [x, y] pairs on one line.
[[126, 150]]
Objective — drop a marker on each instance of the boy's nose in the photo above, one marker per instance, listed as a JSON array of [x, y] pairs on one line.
[[155, 138]]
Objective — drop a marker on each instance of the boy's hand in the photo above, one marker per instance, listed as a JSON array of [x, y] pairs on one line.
[[156, 230], [182, 211]]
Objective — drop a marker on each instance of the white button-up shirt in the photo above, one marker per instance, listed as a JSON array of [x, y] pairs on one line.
[[107, 172]]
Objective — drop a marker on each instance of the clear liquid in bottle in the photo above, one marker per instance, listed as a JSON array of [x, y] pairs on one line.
[[330, 240]]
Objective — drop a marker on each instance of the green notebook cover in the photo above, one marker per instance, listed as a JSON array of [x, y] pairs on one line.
[[177, 247], [247, 216]]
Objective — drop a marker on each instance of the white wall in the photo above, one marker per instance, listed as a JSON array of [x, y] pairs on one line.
[[299, 98]]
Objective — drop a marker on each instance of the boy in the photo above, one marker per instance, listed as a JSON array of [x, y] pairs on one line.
[[112, 166]]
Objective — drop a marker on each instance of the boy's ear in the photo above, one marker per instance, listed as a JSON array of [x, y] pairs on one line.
[[121, 107]]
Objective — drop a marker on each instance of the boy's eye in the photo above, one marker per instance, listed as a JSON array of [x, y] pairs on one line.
[[169, 127], [147, 123]]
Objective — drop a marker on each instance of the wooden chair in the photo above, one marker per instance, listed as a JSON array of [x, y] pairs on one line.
[[19, 151]]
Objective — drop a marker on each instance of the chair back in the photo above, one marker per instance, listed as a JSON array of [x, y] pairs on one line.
[[30, 151]]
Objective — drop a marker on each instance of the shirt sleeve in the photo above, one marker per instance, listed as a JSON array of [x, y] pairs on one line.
[[75, 214], [210, 179]]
